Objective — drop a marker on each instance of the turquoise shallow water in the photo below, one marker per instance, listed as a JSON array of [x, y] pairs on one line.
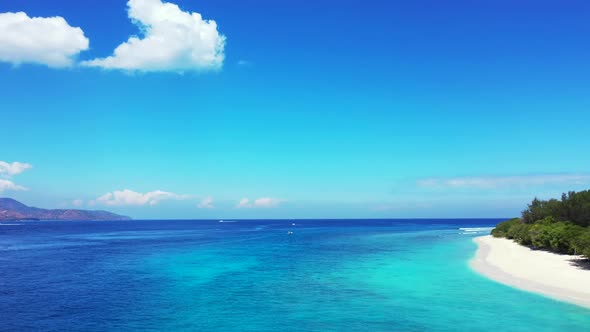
[[252, 276]]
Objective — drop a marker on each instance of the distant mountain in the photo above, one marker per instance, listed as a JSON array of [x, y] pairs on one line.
[[11, 209]]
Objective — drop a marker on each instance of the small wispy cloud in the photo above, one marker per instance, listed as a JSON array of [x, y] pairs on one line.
[[6, 185], [12, 169], [206, 203], [263, 202], [505, 181], [266, 202], [244, 203], [77, 202], [130, 197]]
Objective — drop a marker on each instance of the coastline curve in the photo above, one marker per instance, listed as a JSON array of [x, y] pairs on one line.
[[552, 275]]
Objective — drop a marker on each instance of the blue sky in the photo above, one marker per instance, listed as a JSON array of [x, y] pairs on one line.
[[285, 109]]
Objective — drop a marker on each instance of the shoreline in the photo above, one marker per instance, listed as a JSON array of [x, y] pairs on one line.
[[552, 275]]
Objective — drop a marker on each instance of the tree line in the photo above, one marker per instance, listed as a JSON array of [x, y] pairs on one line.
[[561, 226]]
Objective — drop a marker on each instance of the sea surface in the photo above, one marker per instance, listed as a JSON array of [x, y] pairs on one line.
[[253, 275]]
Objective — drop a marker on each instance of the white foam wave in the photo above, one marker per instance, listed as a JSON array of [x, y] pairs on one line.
[[476, 229]]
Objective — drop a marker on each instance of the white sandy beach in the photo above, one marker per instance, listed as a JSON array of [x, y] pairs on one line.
[[552, 275]]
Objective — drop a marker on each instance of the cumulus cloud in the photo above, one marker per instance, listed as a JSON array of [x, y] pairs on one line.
[[11, 169], [504, 181], [206, 203], [171, 40], [6, 185], [263, 202], [49, 41], [130, 197]]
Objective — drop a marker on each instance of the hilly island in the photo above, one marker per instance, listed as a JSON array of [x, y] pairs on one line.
[[11, 209]]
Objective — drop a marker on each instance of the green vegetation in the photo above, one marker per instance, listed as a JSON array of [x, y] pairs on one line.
[[561, 226]]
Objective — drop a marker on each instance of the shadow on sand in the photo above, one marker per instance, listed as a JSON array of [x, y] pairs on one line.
[[582, 263]]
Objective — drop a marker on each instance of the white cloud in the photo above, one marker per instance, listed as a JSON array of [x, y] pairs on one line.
[[504, 181], [206, 203], [49, 41], [77, 202], [244, 203], [11, 169], [264, 202], [173, 40], [6, 185], [7, 170], [130, 197]]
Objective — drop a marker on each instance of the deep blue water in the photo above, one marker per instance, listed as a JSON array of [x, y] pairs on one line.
[[251, 275]]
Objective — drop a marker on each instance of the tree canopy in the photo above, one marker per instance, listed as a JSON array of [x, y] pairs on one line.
[[573, 207], [560, 226]]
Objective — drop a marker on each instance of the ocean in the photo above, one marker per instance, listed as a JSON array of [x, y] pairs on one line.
[[260, 275]]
